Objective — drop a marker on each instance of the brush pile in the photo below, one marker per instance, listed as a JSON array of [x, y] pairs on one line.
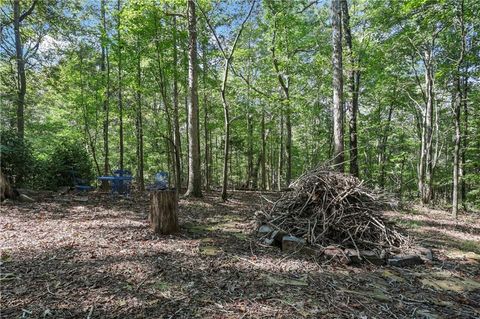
[[331, 208]]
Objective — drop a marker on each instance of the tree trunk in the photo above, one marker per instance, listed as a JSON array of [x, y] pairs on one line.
[[120, 98], [288, 143], [105, 68], [383, 147], [139, 122], [227, 60], [176, 121], [250, 168], [284, 82], [164, 211], [456, 152], [226, 117], [6, 190], [457, 100], [280, 155], [264, 155], [464, 140], [429, 77], [205, 119], [194, 173], [22, 82], [338, 152], [354, 82], [90, 140]]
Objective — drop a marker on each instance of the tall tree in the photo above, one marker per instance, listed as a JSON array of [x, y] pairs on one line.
[[194, 172], [227, 57], [176, 121], [338, 156], [353, 85], [18, 17], [120, 84], [457, 105], [139, 121], [105, 69]]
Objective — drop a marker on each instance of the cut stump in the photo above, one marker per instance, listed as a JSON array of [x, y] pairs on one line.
[[163, 211]]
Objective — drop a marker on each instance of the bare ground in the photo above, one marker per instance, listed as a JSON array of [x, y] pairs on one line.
[[76, 257]]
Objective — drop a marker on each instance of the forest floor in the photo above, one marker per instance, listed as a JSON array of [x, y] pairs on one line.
[[72, 256]]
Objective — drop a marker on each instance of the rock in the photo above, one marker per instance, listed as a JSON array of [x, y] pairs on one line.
[[353, 256], [405, 260], [425, 253], [372, 257], [25, 198], [268, 241], [277, 237], [264, 230], [292, 243], [367, 256], [63, 190]]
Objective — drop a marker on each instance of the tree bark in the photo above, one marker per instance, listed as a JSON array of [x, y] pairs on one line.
[[176, 121], [22, 81], [464, 140], [194, 173], [383, 147], [164, 212], [284, 82], [205, 119], [457, 100], [250, 168], [226, 132], [139, 122], [120, 71], [429, 77], [6, 190], [105, 68], [338, 152], [354, 82], [280, 155], [264, 149]]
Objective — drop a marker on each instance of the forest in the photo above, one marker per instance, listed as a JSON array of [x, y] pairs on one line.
[[252, 115]]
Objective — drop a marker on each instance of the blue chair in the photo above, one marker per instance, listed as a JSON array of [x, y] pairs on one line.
[[122, 186], [124, 172], [80, 184], [161, 181]]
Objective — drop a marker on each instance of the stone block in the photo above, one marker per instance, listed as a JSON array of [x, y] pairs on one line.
[[405, 260], [292, 243]]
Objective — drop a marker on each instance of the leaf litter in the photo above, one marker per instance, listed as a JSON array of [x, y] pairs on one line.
[[64, 258]]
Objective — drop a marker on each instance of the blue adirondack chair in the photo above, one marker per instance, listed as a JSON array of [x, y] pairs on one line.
[[80, 184], [161, 182], [122, 186]]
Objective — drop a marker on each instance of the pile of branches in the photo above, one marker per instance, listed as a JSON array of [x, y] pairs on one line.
[[330, 208]]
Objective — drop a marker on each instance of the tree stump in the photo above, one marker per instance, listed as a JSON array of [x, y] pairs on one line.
[[163, 211], [6, 191]]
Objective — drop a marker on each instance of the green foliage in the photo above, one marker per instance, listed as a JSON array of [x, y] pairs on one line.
[[67, 157], [16, 158]]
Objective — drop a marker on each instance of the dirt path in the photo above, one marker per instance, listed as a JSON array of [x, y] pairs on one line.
[[64, 257]]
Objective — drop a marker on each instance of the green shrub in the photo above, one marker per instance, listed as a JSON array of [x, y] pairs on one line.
[[16, 158], [68, 156]]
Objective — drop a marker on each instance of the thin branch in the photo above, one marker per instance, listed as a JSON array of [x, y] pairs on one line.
[[28, 12], [308, 6], [213, 30]]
